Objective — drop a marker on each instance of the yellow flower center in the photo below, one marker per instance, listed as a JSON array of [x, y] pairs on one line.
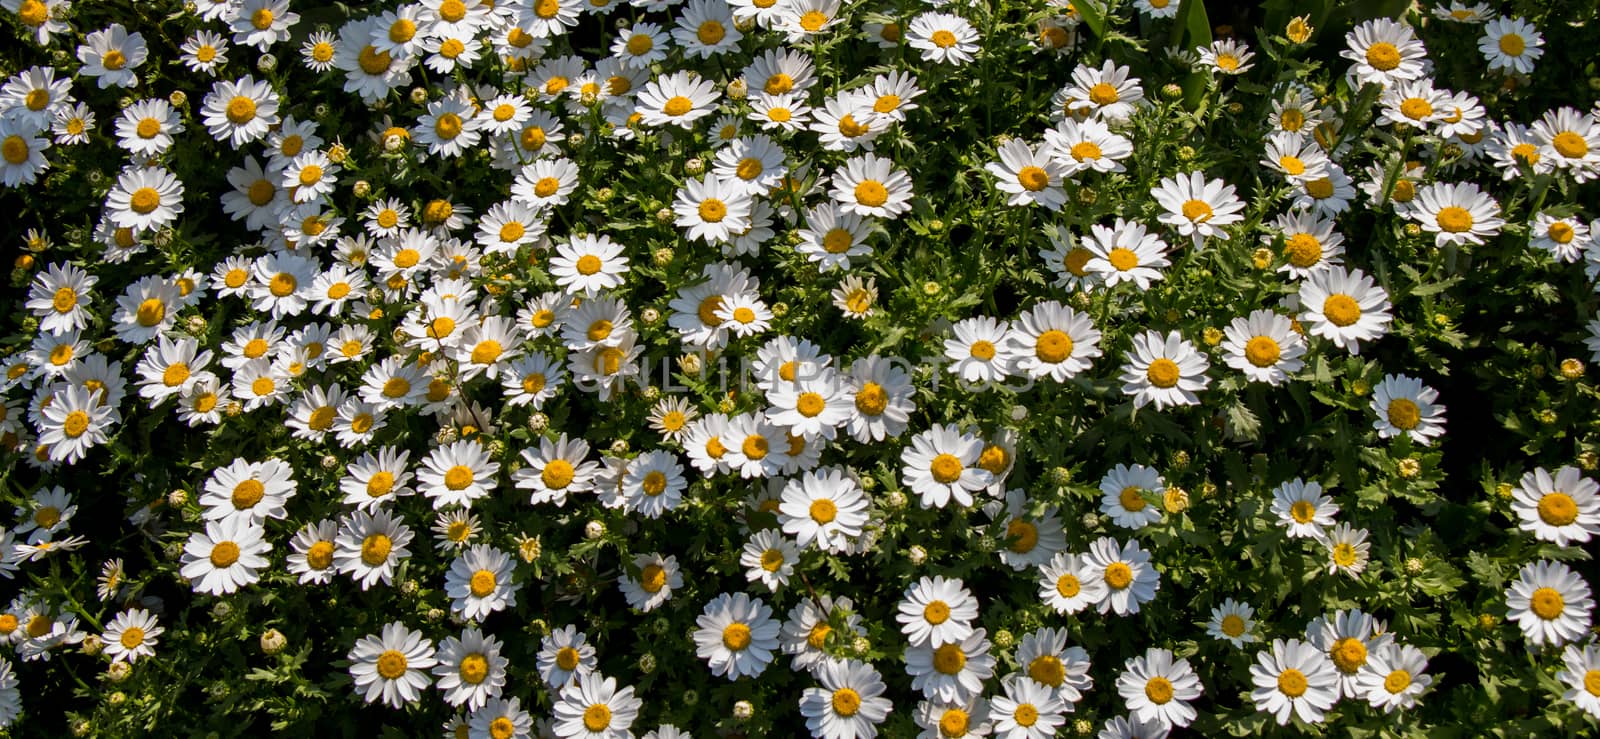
[[482, 584], [447, 126], [1416, 108], [1158, 690], [1383, 56], [677, 105], [1197, 211], [557, 474], [597, 717], [736, 636], [261, 19], [949, 659], [1454, 219], [113, 60], [946, 468], [1118, 575], [1341, 310], [850, 128], [1053, 346], [823, 511], [391, 665], [1025, 714], [1397, 681], [546, 186], [1303, 250], [224, 554], [61, 355], [1132, 498], [1033, 179], [953, 723], [320, 555], [1102, 93], [474, 669], [1163, 373], [372, 61], [1068, 586], [144, 200], [441, 327], [1558, 509], [14, 149], [1547, 603], [871, 193], [943, 39], [1232, 625], [375, 549], [1292, 682], [248, 493], [653, 578], [148, 128], [282, 284], [710, 33], [813, 20], [1292, 165], [33, 12], [402, 30], [1403, 414], [1512, 45], [713, 210], [872, 399], [1047, 669], [1570, 145], [1348, 654], [1320, 189], [458, 477], [241, 110]]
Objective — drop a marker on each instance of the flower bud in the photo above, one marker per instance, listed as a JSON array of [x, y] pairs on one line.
[[742, 710], [267, 63], [273, 641], [917, 555]]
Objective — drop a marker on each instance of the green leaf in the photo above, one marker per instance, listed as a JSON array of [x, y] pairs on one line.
[[1093, 14], [1193, 23]]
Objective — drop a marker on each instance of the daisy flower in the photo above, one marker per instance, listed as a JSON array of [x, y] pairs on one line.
[[1511, 45], [869, 185], [952, 672], [75, 422], [1564, 508], [849, 704], [706, 29], [392, 667], [1569, 140], [1303, 509], [110, 55], [1264, 346], [975, 351], [1384, 52], [45, 515], [1550, 602], [937, 611], [240, 111], [586, 265], [680, 99], [855, 297], [144, 198], [565, 654], [1582, 677], [72, 124], [769, 558], [226, 556], [457, 474], [1404, 405], [1125, 252], [1047, 660], [824, 506], [712, 209], [310, 176], [1565, 238], [736, 636], [1344, 307], [146, 128], [60, 296], [255, 491], [1158, 689], [132, 635], [1027, 710], [658, 577], [1129, 577], [1198, 207], [205, 51], [1456, 213], [1068, 583], [1028, 175], [470, 669], [1086, 146], [943, 38], [814, 405], [1294, 678], [558, 468], [370, 544], [311, 552], [1297, 157], [1108, 94], [1348, 637], [592, 707], [1123, 495], [261, 23], [1310, 243], [479, 583], [449, 127], [1348, 550], [831, 237], [1166, 370], [642, 44], [1233, 622], [1052, 340], [1413, 103], [1393, 677], [546, 183], [941, 465], [1328, 195]]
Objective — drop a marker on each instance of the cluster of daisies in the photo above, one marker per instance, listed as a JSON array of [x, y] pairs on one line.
[[360, 313]]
